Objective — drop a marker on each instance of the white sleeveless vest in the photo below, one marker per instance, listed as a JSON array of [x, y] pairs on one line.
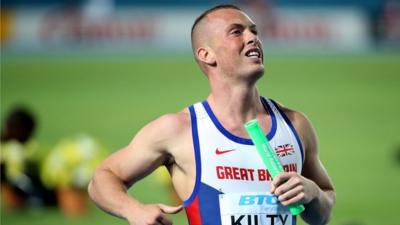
[[232, 184]]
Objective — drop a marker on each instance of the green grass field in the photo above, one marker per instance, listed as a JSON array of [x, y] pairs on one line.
[[353, 102]]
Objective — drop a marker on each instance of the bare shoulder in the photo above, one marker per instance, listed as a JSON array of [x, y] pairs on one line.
[[303, 127], [172, 124], [164, 130], [298, 118]]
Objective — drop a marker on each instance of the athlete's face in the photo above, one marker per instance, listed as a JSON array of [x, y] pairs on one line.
[[234, 41]]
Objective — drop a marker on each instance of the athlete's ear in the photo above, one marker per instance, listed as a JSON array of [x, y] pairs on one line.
[[206, 55]]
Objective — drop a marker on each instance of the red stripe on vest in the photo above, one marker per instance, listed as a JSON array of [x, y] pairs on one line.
[[193, 212]]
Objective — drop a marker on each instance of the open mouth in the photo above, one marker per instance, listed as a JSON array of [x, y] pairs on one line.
[[253, 53]]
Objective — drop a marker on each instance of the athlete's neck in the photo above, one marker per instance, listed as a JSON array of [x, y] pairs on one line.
[[235, 104]]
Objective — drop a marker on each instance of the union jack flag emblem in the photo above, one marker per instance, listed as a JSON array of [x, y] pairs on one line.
[[284, 150]]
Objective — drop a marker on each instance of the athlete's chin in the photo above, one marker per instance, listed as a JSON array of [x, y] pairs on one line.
[[258, 71], [252, 71], [254, 75]]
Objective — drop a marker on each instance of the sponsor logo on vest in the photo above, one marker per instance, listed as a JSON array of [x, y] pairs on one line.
[[258, 200], [223, 151], [255, 219]]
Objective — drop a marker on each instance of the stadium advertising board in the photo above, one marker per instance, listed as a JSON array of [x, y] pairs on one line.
[[153, 29]]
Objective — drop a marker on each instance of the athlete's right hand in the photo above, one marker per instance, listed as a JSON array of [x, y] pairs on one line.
[[153, 214]]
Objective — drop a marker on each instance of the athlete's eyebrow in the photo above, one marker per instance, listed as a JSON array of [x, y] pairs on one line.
[[234, 25], [252, 26]]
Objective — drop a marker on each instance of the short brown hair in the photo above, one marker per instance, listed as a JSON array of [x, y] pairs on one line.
[[205, 13]]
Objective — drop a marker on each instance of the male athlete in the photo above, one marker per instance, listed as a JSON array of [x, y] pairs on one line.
[[213, 164]]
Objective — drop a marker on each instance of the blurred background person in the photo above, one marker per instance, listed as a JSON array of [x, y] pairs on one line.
[[68, 168], [21, 158]]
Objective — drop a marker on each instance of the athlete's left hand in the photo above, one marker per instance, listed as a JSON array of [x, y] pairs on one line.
[[291, 187]]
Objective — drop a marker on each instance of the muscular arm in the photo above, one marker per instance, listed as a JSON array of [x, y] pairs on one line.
[[313, 188], [117, 173], [318, 210]]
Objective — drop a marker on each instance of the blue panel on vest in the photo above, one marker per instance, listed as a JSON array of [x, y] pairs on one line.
[[209, 205]]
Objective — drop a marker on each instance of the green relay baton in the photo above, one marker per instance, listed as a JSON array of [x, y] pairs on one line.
[[268, 156]]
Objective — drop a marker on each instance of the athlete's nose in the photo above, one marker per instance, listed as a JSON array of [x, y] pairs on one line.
[[251, 37]]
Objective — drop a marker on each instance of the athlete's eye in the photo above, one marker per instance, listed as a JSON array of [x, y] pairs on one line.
[[236, 31]]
